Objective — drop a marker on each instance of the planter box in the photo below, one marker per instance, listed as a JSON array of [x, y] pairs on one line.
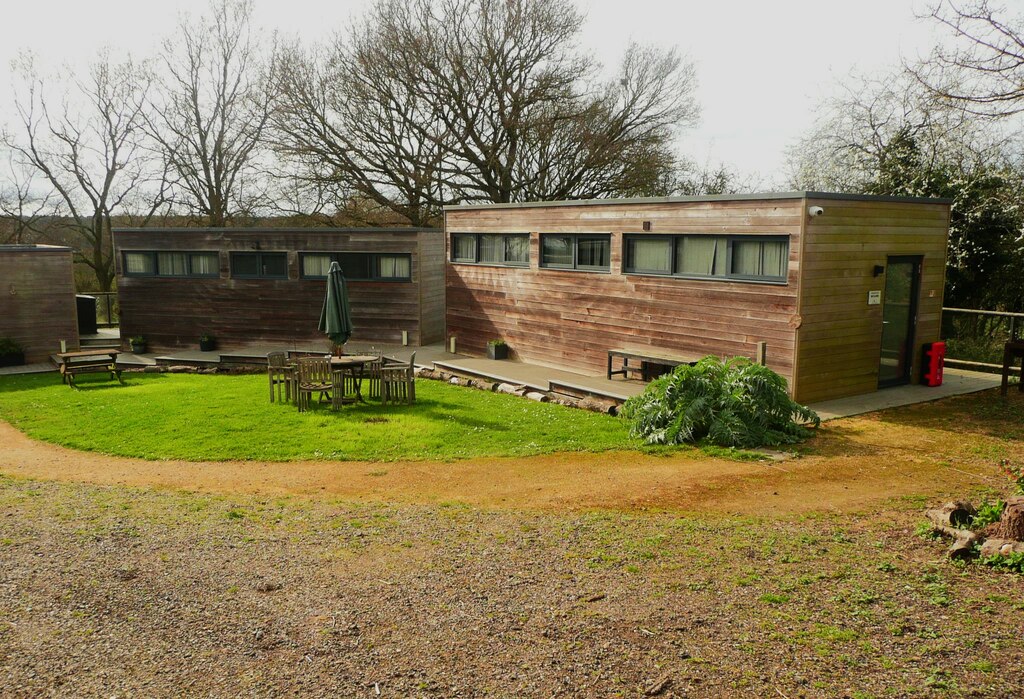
[[208, 345], [138, 347], [497, 351]]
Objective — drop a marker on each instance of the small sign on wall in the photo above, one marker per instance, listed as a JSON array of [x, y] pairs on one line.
[[874, 297]]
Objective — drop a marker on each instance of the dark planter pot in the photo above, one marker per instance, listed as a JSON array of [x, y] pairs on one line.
[[497, 351], [138, 347], [207, 345], [12, 359]]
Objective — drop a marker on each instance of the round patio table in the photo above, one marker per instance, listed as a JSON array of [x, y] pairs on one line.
[[351, 365]]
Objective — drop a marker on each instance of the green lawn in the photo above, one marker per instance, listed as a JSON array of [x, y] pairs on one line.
[[214, 417]]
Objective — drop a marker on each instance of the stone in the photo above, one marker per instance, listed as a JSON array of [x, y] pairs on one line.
[[538, 396]]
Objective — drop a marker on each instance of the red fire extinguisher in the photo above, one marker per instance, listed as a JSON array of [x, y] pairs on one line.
[[934, 360]]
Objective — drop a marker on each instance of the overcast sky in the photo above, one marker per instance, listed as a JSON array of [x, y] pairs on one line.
[[762, 66]]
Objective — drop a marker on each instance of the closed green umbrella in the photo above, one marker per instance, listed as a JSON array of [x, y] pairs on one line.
[[336, 316]]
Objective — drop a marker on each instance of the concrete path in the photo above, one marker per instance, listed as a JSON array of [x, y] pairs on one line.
[[955, 382]]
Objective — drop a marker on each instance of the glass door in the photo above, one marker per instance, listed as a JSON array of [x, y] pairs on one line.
[[899, 319]]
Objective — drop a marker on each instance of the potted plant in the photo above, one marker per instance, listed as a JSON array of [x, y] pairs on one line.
[[207, 342], [497, 349], [11, 353], [138, 343]]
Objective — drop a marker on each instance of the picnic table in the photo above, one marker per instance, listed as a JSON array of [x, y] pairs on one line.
[[1014, 349], [87, 361]]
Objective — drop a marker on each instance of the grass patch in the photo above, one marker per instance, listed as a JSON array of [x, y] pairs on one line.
[[200, 418]]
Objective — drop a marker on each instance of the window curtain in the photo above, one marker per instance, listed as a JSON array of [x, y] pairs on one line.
[[464, 248], [701, 255], [171, 264], [490, 248], [593, 252], [760, 258], [205, 264], [650, 255], [394, 267], [746, 258], [775, 259], [138, 263], [315, 265]]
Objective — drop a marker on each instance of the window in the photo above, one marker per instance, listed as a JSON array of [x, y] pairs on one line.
[[758, 258], [172, 264], [507, 249], [649, 255], [139, 263], [259, 265], [359, 266], [587, 252]]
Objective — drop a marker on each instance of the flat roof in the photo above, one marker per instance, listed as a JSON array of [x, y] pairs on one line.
[[29, 247], [273, 229], [711, 197]]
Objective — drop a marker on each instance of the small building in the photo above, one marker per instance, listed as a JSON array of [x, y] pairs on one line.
[[37, 299], [844, 290], [250, 286]]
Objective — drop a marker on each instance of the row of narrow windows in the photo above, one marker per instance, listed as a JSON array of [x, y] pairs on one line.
[[761, 258], [357, 266]]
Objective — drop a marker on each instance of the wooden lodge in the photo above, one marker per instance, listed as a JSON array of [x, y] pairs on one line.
[[37, 299], [251, 286], [843, 290]]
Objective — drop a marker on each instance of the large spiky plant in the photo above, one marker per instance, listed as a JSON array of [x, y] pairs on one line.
[[735, 403]]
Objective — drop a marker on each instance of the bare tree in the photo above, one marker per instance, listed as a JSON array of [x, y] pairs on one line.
[[27, 202], [890, 136], [858, 133], [86, 143], [210, 109], [983, 66], [432, 102]]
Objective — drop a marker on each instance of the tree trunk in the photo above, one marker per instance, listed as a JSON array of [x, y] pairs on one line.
[[952, 514], [963, 539], [1011, 524]]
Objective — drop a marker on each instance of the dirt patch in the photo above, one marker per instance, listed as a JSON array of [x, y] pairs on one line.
[[500, 578], [851, 464], [112, 591]]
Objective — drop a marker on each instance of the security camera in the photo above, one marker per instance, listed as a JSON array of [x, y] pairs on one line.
[[815, 210]]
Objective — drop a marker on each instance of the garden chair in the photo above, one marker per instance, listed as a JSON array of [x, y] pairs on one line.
[[314, 377], [281, 376], [371, 376], [398, 382]]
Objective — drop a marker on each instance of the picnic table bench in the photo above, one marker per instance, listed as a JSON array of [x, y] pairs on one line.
[[86, 362], [646, 357]]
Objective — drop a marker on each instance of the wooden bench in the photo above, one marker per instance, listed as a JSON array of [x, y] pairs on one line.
[[87, 362], [646, 357]]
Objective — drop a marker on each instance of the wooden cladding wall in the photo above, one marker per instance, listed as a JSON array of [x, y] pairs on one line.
[[569, 319], [37, 299], [840, 337], [431, 288], [174, 312]]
